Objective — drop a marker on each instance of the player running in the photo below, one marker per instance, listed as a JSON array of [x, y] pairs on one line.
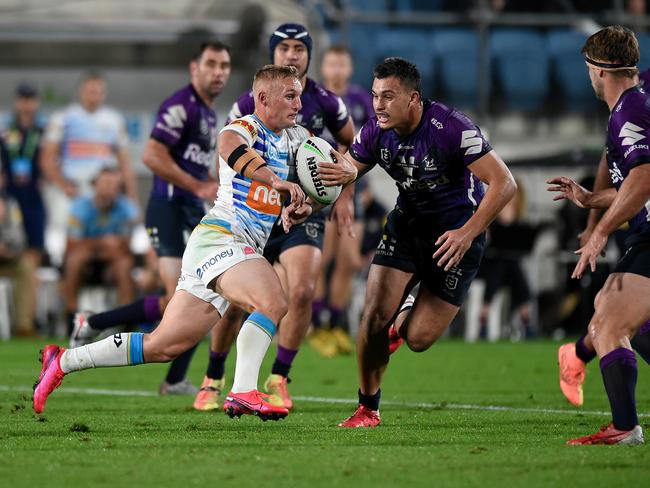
[[180, 152], [435, 234], [223, 260], [296, 255], [611, 56]]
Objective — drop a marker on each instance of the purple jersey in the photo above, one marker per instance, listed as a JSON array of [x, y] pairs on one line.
[[644, 79], [188, 127], [359, 103], [628, 145], [430, 165], [320, 109]]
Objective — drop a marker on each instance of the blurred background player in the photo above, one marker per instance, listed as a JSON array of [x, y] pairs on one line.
[[98, 237], [22, 176], [436, 232], [342, 260], [181, 151], [296, 255], [611, 56], [79, 142], [223, 261]]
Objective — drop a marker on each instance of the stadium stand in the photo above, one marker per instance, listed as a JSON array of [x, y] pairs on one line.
[[520, 62], [456, 65]]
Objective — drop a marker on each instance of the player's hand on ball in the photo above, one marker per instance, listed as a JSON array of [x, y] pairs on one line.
[[340, 172], [292, 190]]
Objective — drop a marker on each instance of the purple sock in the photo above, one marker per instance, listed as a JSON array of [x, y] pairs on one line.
[[584, 353], [217, 365], [152, 308], [619, 376], [317, 308], [283, 361], [645, 328], [335, 316]]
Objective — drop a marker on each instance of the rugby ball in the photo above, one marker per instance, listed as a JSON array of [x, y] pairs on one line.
[[311, 152]]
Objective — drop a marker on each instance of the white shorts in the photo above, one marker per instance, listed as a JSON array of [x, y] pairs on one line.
[[208, 254]]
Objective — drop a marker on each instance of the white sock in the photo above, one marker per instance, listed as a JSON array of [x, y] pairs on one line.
[[116, 350], [252, 343]]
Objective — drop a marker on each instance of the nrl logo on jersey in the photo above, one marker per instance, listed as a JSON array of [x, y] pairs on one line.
[[385, 155]]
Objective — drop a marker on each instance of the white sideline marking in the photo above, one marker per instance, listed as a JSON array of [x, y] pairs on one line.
[[424, 405]]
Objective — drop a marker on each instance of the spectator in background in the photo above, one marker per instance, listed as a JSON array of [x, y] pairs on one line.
[[79, 141], [636, 11], [99, 230], [509, 241], [20, 142], [22, 175], [14, 264]]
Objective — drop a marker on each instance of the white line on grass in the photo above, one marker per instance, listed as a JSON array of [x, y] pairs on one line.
[[423, 405]]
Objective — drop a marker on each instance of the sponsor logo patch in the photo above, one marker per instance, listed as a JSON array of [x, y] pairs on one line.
[[263, 198], [246, 125], [216, 258]]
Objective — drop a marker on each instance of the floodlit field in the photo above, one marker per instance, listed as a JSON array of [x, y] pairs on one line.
[[457, 415]]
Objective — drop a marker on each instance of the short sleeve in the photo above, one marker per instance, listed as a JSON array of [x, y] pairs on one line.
[[77, 218], [245, 128], [170, 123], [363, 146], [464, 139]]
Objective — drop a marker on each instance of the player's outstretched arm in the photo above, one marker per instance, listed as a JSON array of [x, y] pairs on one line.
[[629, 200], [569, 189]]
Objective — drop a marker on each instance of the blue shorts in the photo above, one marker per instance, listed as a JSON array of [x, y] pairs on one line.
[[403, 247], [169, 225], [33, 212], [310, 233]]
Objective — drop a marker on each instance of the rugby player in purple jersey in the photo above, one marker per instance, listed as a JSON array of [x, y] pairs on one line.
[[573, 357], [180, 151], [435, 235], [611, 56], [296, 255]]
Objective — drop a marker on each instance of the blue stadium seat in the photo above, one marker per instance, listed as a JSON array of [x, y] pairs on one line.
[[408, 6], [409, 43], [644, 45], [362, 42], [569, 70], [373, 6], [456, 63], [520, 60]]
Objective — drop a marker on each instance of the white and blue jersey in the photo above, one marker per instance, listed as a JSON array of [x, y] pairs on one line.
[[89, 141], [246, 207]]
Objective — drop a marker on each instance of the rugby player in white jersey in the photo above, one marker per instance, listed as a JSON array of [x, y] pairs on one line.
[[223, 260]]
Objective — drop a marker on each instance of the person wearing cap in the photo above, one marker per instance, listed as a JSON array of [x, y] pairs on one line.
[[621, 306], [296, 255], [20, 143]]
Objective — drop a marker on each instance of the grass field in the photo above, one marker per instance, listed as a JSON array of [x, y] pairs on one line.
[[458, 415]]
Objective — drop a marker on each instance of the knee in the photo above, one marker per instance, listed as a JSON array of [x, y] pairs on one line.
[[420, 342], [302, 295], [274, 307], [375, 319]]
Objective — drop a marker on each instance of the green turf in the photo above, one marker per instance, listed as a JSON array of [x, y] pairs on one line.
[[98, 440]]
